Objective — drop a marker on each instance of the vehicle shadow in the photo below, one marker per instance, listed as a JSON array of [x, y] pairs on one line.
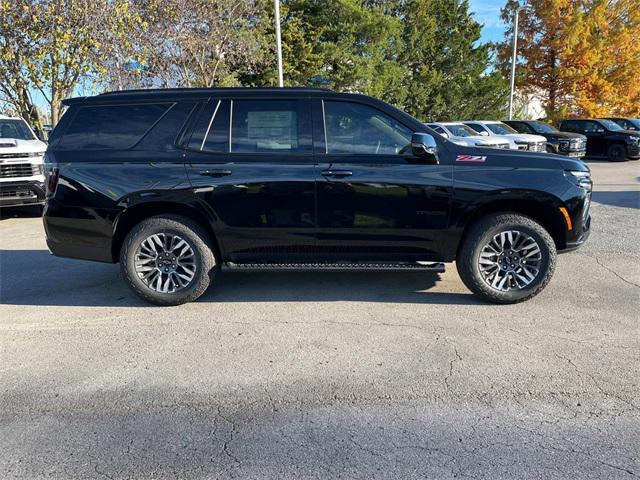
[[624, 199], [34, 277], [20, 212]]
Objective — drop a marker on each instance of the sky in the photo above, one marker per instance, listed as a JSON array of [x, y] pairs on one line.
[[487, 12]]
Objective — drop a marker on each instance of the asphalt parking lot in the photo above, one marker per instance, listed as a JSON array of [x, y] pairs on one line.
[[336, 375]]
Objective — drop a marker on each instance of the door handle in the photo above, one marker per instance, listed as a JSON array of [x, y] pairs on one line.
[[337, 173], [215, 173]]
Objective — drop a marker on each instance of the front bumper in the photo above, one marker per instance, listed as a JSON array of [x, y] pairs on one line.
[[575, 244], [22, 193], [633, 150]]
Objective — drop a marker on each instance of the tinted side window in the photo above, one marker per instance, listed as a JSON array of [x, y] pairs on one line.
[[269, 126], [211, 130], [110, 126], [477, 127], [520, 127], [356, 128], [569, 126], [591, 127]]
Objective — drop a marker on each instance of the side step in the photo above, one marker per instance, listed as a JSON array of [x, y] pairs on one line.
[[334, 266]]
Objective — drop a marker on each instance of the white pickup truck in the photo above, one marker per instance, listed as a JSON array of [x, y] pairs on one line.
[[21, 164]]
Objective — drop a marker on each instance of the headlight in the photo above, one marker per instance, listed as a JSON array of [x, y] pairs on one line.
[[36, 154], [581, 179]]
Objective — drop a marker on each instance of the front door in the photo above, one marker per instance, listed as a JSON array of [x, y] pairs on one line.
[[595, 133], [375, 200], [250, 162]]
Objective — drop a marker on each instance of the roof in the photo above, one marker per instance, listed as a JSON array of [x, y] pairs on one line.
[[173, 93]]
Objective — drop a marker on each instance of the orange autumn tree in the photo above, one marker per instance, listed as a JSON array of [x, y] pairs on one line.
[[581, 56]]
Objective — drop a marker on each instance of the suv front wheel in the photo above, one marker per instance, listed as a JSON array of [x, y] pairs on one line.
[[167, 260], [506, 258]]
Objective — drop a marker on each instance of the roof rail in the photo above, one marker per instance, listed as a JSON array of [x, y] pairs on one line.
[[212, 89]]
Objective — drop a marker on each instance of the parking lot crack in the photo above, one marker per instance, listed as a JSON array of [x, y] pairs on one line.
[[611, 270]]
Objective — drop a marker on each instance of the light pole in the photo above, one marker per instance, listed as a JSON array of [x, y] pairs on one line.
[[279, 43], [513, 61]]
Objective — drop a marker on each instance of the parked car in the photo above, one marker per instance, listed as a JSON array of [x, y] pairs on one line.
[[606, 138], [627, 123], [175, 184], [564, 143], [518, 141], [462, 135], [21, 164]]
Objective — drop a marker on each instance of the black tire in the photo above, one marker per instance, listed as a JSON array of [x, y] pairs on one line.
[[480, 234], [193, 235], [617, 153]]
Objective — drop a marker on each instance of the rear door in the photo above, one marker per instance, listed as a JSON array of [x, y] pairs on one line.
[[375, 200], [250, 162]]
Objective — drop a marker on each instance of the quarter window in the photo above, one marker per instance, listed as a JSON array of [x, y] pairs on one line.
[[111, 126], [211, 131], [268, 126], [356, 128]]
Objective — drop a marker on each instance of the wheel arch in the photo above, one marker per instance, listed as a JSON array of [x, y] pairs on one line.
[[133, 215], [546, 214]]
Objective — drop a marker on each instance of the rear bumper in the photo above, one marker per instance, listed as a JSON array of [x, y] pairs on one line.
[[22, 193], [77, 232]]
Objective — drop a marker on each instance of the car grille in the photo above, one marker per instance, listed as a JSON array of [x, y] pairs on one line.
[[537, 147], [575, 145], [16, 193], [12, 170], [15, 155]]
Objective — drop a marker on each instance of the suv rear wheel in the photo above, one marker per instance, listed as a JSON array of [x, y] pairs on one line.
[[167, 260], [506, 258]]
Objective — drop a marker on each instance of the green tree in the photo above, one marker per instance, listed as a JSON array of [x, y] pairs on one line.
[[421, 55], [449, 72]]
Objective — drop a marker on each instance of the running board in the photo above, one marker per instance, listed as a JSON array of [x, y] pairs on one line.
[[334, 266]]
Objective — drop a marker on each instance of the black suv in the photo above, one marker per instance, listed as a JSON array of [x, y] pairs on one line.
[[564, 143], [627, 123], [175, 184], [606, 138]]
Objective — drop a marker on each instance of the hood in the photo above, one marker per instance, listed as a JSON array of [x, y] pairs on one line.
[[472, 140], [564, 135], [524, 137], [633, 133], [14, 145], [521, 158]]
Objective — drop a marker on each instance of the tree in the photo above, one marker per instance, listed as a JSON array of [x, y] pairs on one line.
[[16, 43], [449, 76], [421, 55], [582, 56], [190, 43]]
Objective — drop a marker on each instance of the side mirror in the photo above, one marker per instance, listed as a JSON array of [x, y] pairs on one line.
[[484, 134], [444, 134], [424, 145]]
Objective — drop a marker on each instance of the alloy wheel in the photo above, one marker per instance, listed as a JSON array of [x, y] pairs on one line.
[[510, 261], [165, 262]]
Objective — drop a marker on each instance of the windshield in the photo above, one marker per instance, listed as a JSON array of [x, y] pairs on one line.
[[15, 128], [541, 127], [500, 128], [459, 130], [613, 126]]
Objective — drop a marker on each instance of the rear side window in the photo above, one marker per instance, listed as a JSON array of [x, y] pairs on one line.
[[477, 127], [269, 126], [107, 127], [211, 131]]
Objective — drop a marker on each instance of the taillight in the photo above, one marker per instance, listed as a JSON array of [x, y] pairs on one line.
[[52, 174]]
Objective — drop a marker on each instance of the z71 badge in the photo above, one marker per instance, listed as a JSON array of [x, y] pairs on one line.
[[471, 158]]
